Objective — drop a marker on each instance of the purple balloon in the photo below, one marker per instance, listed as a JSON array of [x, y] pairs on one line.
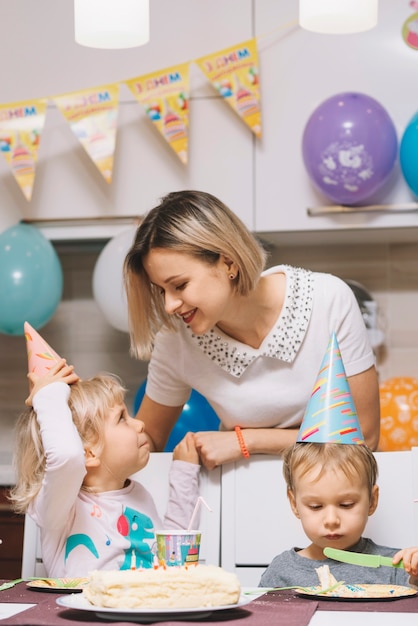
[[349, 147]]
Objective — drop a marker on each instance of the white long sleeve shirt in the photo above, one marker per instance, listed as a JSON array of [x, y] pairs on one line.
[[81, 531]]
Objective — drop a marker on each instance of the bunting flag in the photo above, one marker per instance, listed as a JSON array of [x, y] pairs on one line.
[[21, 125], [92, 115], [165, 96], [234, 73]]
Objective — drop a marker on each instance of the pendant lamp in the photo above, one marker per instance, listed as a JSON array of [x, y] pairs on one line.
[[338, 16], [111, 23]]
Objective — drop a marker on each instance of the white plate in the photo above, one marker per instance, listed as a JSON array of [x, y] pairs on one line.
[[78, 601]]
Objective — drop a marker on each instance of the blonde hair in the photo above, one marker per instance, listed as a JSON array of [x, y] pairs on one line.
[[89, 402], [353, 460], [195, 223]]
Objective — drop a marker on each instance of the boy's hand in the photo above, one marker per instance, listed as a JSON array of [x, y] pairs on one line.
[[186, 450], [61, 372], [410, 560]]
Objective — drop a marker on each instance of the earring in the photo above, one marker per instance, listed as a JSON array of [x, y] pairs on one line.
[[232, 276]]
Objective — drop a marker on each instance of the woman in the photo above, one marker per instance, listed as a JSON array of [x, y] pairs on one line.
[[209, 318]]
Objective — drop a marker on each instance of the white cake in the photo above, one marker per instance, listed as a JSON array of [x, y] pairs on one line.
[[169, 587]]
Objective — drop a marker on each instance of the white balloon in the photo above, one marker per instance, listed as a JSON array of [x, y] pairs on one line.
[[108, 287]]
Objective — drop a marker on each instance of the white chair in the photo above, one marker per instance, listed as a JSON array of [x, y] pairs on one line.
[[155, 478]]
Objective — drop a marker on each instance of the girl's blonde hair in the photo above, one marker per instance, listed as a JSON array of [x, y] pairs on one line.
[[89, 402], [195, 223], [353, 460]]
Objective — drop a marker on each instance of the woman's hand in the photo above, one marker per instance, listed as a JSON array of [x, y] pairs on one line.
[[186, 450], [216, 448], [220, 447], [60, 372]]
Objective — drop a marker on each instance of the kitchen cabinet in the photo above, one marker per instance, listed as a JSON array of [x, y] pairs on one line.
[[11, 534], [298, 71]]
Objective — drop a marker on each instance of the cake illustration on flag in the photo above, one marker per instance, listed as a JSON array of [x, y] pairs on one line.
[[331, 416], [41, 357]]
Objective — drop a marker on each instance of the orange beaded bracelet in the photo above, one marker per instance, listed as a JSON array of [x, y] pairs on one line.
[[241, 442]]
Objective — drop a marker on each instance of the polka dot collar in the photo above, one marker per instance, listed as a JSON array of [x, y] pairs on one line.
[[284, 339]]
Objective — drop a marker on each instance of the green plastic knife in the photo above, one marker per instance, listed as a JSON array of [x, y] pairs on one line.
[[357, 558]]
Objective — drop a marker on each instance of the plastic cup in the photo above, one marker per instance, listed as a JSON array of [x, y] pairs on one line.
[[178, 547]]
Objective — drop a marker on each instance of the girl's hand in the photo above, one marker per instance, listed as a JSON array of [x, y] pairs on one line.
[[60, 372], [216, 448], [186, 450], [410, 560]]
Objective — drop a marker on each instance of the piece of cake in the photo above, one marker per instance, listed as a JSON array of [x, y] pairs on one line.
[[171, 587]]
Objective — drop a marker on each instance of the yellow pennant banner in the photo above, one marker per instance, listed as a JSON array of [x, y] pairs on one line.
[[21, 125], [234, 74], [92, 115], [165, 96]]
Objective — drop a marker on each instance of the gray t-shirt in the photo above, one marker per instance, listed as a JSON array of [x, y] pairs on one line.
[[289, 568]]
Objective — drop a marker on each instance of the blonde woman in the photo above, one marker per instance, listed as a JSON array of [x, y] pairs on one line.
[[208, 316]]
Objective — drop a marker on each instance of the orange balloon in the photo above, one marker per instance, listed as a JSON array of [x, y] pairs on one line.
[[398, 414]]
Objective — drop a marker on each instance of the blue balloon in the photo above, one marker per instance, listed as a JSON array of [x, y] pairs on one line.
[[197, 414], [408, 154], [30, 279]]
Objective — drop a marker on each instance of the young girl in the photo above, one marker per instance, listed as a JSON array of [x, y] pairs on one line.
[[332, 490], [75, 451], [209, 317]]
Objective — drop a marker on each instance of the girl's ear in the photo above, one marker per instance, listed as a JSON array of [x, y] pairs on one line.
[[92, 460], [374, 499], [292, 500]]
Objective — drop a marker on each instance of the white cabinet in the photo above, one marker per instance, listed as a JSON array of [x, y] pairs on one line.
[[299, 70]]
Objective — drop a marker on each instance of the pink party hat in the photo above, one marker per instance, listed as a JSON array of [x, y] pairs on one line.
[[330, 416], [41, 357]]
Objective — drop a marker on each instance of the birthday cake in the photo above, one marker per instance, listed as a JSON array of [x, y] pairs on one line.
[[171, 587]]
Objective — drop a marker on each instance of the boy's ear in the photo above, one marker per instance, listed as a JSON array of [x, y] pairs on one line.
[[374, 499], [91, 458], [292, 501]]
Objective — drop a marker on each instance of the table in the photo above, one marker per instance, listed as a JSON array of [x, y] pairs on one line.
[[282, 608]]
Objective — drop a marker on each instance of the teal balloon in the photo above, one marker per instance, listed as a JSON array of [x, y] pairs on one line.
[[30, 279], [197, 414], [408, 155]]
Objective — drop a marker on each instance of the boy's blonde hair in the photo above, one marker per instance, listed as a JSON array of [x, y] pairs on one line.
[[353, 460], [89, 402], [190, 222]]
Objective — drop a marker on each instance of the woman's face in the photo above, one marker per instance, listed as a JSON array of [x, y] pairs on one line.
[[199, 293]]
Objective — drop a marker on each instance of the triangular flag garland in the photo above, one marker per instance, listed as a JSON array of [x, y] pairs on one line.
[[165, 96], [330, 416], [92, 115], [234, 74], [21, 126]]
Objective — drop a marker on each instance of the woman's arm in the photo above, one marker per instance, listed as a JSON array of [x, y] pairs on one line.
[[365, 393], [217, 448]]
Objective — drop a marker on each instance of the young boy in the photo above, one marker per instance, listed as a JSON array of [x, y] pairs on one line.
[[332, 490]]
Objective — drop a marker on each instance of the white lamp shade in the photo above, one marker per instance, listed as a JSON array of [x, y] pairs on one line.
[[111, 23], [338, 16]]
